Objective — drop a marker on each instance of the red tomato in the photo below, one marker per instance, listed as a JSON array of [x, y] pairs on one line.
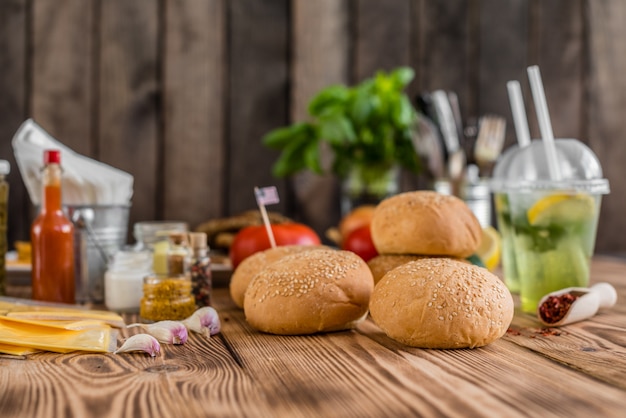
[[253, 239], [360, 242]]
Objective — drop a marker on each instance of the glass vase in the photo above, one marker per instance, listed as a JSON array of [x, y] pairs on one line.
[[368, 185]]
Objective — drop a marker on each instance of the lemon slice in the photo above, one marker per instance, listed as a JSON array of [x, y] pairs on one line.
[[490, 248], [561, 209]]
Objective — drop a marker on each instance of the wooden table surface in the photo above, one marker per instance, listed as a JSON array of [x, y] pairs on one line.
[[575, 371]]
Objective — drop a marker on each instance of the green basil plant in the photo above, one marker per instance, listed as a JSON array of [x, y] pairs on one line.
[[368, 127]]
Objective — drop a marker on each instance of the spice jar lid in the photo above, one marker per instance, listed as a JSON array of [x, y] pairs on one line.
[[5, 167], [198, 240], [178, 238]]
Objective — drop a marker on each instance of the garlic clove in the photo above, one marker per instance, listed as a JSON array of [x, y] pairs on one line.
[[167, 332], [204, 321], [140, 342]]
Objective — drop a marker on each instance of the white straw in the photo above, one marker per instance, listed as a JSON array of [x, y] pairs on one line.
[[519, 113], [545, 126]]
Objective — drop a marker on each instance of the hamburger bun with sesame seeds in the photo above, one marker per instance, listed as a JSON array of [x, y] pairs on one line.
[[442, 303], [309, 292], [251, 265], [425, 222], [383, 263]]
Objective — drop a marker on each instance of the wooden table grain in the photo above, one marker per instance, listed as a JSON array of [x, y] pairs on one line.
[[574, 371]]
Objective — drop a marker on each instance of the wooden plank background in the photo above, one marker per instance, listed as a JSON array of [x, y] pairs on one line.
[[179, 93]]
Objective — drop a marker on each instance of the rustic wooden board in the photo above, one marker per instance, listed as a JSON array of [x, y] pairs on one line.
[[382, 36], [605, 101], [576, 371], [558, 49], [320, 54], [484, 378], [444, 47], [194, 112], [502, 40], [129, 98], [120, 82], [13, 108], [63, 87], [257, 96]]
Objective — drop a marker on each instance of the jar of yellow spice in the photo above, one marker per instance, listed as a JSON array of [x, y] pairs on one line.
[[170, 297]]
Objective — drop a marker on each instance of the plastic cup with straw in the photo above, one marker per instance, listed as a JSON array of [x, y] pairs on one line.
[[553, 196], [500, 176]]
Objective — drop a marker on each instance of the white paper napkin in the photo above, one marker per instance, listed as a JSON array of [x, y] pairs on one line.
[[85, 180]]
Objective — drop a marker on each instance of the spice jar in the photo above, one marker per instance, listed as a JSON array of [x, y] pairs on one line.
[[123, 280], [5, 168], [153, 236], [178, 255], [201, 279], [166, 298]]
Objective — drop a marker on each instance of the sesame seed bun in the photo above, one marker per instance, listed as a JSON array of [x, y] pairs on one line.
[[253, 264], [384, 263], [309, 292], [442, 303], [425, 222]]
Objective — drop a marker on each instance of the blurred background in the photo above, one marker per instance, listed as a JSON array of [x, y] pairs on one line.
[[179, 92]]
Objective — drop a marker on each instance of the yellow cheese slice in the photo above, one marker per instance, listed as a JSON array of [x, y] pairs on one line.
[[52, 337]]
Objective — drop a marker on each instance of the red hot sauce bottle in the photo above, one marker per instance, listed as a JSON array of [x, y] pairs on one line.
[[52, 239]]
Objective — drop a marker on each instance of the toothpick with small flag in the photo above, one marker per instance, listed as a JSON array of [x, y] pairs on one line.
[[267, 196]]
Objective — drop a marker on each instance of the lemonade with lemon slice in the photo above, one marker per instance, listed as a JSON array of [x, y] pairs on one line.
[[553, 237], [508, 259]]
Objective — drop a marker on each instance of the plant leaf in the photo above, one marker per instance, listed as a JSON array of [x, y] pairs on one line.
[[312, 157], [361, 108], [402, 77], [281, 137], [336, 129], [403, 112], [291, 160], [333, 96]]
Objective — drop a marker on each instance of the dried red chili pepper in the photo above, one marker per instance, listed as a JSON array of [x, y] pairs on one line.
[[554, 308]]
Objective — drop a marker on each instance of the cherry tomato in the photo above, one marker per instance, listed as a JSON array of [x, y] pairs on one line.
[[360, 242], [253, 239]]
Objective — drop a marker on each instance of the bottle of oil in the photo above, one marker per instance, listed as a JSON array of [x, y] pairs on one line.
[[52, 238]]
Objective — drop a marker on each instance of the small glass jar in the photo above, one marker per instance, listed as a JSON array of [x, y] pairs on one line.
[[201, 276], [147, 233], [166, 298], [123, 280], [153, 236]]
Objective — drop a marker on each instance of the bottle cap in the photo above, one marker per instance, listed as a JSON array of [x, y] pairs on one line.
[[178, 238], [5, 167], [198, 239], [52, 156]]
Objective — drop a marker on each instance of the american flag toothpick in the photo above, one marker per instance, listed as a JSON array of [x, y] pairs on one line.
[[267, 196]]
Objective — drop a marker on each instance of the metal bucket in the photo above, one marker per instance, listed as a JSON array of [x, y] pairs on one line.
[[99, 231], [477, 195]]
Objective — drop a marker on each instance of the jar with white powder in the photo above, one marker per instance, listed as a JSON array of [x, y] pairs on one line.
[[123, 280]]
